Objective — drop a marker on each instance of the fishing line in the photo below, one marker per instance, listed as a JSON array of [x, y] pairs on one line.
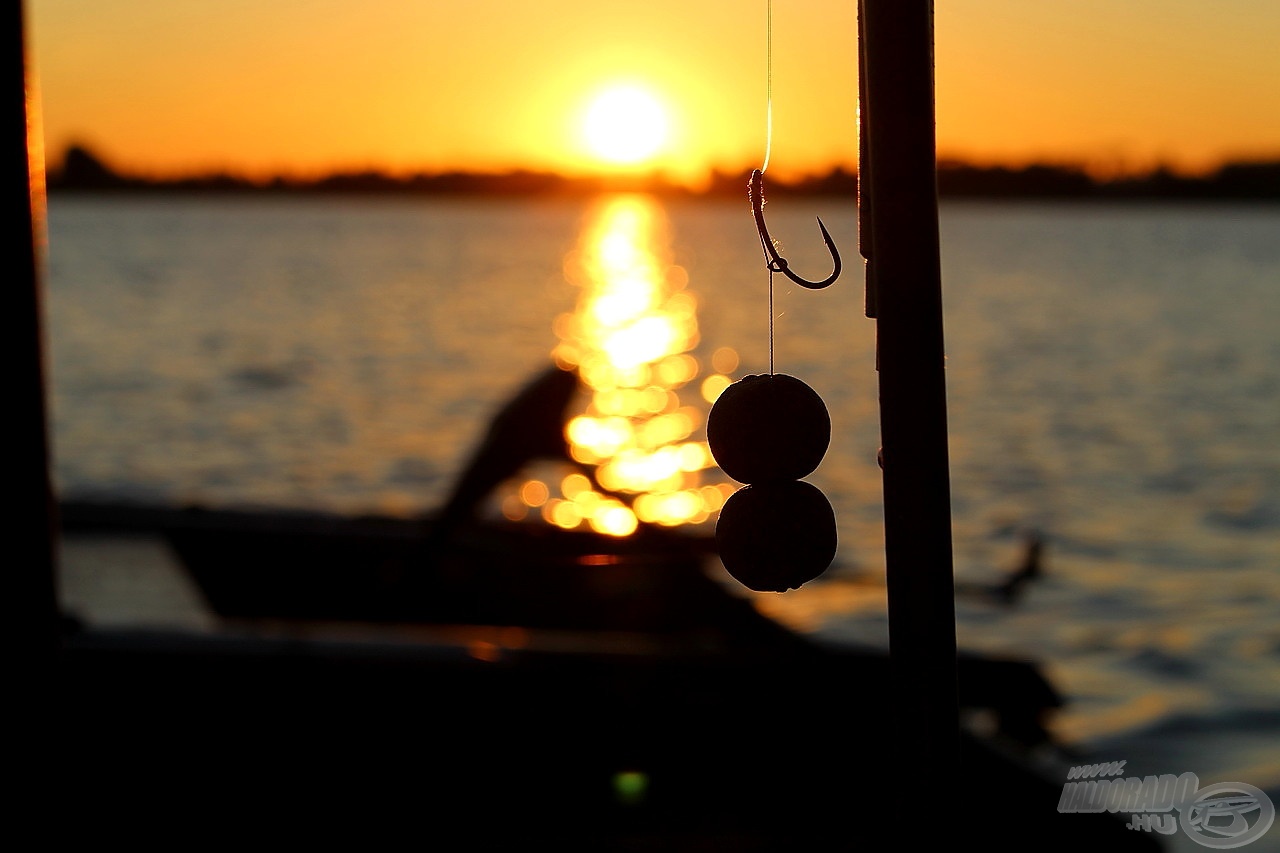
[[768, 140], [770, 322], [768, 92]]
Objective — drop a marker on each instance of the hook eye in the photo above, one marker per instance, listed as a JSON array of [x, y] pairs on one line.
[[777, 263]]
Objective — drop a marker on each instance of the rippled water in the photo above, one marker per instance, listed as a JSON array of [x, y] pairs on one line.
[[1113, 380]]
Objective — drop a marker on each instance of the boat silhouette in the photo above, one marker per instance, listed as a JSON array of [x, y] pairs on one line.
[[593, 692]]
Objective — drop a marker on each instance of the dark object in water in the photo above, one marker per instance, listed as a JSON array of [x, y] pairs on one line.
[[1007, 592]]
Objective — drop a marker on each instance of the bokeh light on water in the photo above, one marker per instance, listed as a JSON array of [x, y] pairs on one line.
[[630, 338]]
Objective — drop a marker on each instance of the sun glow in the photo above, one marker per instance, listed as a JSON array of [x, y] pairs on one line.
[[625, 124]]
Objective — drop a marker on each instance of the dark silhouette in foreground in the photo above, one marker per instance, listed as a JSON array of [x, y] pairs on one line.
[[516, 685]]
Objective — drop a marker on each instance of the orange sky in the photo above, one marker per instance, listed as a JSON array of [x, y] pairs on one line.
[[303, 86]]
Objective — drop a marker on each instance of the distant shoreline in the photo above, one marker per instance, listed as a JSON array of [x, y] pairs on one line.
[[1256, 181]]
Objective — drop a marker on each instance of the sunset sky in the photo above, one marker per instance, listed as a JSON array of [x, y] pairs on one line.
[[306, 86]]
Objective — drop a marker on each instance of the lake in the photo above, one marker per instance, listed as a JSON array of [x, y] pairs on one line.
[[1113, 378]]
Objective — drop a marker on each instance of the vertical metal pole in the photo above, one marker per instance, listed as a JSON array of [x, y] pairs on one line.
[[31, 524], [905, 275], [866, 225]]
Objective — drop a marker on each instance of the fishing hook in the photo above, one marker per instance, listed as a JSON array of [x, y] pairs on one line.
[[777, 263]]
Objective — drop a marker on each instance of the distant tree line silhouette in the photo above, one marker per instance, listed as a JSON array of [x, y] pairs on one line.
[[82, 170]]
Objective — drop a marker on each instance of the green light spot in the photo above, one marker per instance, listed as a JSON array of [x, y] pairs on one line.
[[629, 786]]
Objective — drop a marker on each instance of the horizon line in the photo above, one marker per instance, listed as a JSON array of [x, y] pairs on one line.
[[82, 169]]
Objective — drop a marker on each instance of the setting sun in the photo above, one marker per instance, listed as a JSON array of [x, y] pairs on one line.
[[625, 124]]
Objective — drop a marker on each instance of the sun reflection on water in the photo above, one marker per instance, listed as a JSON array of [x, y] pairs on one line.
[[630, 339]]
